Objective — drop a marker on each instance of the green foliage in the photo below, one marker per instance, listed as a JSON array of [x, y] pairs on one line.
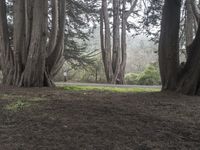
[[110, 89], [131, 78], [150, 76]]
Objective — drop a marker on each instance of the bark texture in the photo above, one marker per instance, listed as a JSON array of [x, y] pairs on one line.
[[169, 44], [189, 81], [185, 79], [32, 61]]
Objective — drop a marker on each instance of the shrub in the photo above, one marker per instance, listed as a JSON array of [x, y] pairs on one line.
[[131, 78], [150, 76]]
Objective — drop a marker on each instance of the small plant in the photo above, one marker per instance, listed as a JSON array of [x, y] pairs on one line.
[[17, 105]]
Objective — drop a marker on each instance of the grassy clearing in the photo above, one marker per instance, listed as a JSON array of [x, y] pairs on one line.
[[110, 89]]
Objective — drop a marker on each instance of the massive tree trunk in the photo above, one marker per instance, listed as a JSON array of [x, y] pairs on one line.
[[31, 61], [189, 82], [185, 80], [169, 44]]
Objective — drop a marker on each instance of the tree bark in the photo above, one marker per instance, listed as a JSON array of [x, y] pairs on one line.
[[35, 67], [116, 41], [189, 23], [125, 16], [6, 53], [106, 41], [169, 44], [55, 61], [189, 82], [31, 61]]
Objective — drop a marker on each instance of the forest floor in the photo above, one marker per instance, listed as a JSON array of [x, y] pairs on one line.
[[58, 119]]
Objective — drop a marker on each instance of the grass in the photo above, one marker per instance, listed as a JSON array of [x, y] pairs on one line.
[[17, 105], [110, 89]]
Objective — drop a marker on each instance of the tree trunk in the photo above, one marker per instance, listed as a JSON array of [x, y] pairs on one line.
[[169, 44], [189, 82], [189, 23], [32, 62], [34, 71], [106, 41], [123, 45], [7, 62], [116, 41]]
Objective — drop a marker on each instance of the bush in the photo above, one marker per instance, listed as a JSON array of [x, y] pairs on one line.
[[150, 76], [131, 78]]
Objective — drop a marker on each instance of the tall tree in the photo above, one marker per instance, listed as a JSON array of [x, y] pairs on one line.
[[34, 57], [169, 44], [184, 79], [115, 59]]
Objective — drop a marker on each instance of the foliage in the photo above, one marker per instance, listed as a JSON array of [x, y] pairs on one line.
[[110, 89], [81, 19], [150, 76], [131, 78]]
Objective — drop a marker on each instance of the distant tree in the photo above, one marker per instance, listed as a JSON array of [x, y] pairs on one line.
[[81, 20], [115, 58]]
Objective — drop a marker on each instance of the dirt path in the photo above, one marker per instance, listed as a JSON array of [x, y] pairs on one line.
[[54, 119]]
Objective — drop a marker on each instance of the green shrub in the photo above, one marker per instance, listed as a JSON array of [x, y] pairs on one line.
[[131, 78], [150, 76]]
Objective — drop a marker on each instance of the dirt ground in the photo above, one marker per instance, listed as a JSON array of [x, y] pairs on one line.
[[55, 119]]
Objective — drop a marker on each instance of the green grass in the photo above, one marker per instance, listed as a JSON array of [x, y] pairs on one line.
[[17, 105], [110, 89]]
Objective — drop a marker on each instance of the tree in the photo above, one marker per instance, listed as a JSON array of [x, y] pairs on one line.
[[34, 57], [175, 77], [115, 59], [169, 44], [81, 20]]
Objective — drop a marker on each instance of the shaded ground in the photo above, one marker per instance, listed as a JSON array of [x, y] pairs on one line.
[[54, 119]]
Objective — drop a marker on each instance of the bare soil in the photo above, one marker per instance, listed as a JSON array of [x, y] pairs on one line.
[[64, 120]]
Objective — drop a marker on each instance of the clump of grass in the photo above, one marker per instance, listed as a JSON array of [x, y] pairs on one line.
[[17, 105], [111, 89]]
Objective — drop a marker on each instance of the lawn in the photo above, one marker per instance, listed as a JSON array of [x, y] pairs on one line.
[[111, 89], [75, 118]]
